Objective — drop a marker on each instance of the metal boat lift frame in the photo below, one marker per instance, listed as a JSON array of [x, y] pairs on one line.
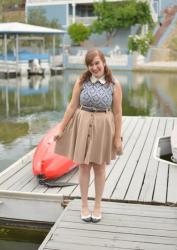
[[17, 29]]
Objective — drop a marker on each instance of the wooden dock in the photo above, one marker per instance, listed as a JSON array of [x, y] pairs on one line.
[[123, 226], [140, 197], [134, 177]]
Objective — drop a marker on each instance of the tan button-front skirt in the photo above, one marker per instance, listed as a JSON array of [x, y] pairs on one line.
[[88, 138]]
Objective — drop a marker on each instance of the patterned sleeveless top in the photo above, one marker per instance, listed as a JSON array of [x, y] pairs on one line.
[[96, 95]]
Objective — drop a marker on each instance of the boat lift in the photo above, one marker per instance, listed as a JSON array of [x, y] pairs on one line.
[[15, 29]]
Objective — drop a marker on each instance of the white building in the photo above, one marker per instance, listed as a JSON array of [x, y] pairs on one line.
[[71, 11], [75, 11]]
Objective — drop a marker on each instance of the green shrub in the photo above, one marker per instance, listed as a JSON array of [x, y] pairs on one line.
[[78, 32], [140, 44]]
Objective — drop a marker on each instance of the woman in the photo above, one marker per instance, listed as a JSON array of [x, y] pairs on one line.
[[90, 132]]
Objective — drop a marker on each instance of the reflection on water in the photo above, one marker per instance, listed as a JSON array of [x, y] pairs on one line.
[[11, 131], [24, 96], [150, 94], [28, 107], [14, 238]]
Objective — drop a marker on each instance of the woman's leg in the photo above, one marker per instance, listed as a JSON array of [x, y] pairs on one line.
[[84, 179], [99, 171]]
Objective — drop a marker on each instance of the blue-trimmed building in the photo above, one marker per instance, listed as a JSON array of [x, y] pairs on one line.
[[66, 12], [71, 11], [75, 11]]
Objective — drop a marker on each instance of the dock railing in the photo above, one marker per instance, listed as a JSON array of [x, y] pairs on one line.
[[10, 66], [114, 60]]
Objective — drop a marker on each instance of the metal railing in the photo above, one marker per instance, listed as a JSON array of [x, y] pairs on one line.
[[85, 20], [52, 2]]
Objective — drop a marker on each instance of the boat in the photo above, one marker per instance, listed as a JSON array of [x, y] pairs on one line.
[[163, 151], [48, 166], [35, 68], [174, 144]]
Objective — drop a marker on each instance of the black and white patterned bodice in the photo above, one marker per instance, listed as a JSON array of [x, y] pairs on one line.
[[96, 95]]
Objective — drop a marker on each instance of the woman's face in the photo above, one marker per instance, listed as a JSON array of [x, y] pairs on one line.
[[96, 67]]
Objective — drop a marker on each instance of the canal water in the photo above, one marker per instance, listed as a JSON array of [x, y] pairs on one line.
[[29, 107], [15, 238]]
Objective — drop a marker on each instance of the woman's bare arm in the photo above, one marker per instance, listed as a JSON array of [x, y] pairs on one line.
[[117, 111], [71, 108]]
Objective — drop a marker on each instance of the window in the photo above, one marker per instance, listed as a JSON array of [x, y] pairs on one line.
[[82, 10]]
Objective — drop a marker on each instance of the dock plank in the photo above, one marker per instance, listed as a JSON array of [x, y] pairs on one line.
[[143, 211], [25, 178], [16, 177], [115, 173], [123, 226], [172, 185], [147, 189], [30, 185], [124, 182], [135, 176], [161, 185], [16, 167], [140, 171], [126, 220]]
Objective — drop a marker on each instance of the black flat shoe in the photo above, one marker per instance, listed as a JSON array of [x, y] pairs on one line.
[[86, 218], [96, 219]]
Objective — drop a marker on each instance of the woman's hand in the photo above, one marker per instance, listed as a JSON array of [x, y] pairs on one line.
[[59, 134], [118, 145]]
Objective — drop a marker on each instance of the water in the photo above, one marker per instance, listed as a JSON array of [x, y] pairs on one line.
[[29, 107], [12, 238]]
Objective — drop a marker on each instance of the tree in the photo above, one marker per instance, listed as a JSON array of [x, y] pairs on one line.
[[143, 13], [12, 10], [37, 16], [78, 32], [113, 16]]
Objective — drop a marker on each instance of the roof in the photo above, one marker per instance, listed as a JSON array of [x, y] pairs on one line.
[[21, 28], [58, 2]]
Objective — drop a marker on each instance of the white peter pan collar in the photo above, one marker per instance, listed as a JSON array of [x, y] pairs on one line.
[[102, 80]]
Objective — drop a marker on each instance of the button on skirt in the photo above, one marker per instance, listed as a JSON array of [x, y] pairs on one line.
[[88, 138]]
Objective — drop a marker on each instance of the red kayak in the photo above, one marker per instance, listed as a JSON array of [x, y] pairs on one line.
[[46, 164]]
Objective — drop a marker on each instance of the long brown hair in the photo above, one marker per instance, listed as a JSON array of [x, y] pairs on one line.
[[91, 54]]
